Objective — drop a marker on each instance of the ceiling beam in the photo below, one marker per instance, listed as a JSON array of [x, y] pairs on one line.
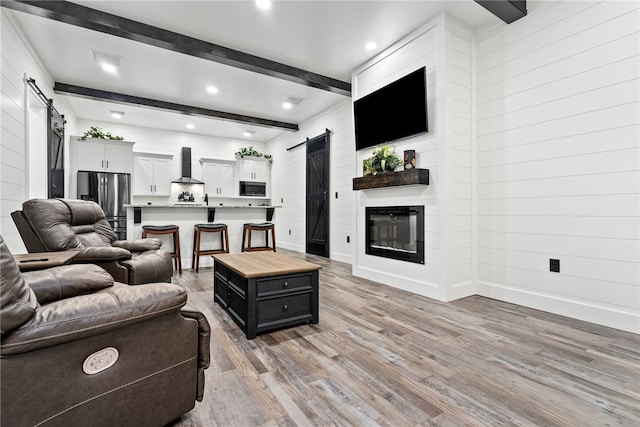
[[108, 23], [507, 10], [119, 98]]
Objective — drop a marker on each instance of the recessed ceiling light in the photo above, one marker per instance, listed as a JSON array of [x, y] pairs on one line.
[[117, 114], [371, 45], [212, 89], [109, 68], [287, 105], [107, 61], [263, 4], [190, 126], [248, 133]]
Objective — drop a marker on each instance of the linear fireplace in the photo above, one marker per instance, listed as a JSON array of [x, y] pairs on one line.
[[396, 232]]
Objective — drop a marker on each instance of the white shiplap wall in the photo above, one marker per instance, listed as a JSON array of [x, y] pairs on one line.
[[558, 155], [18, 61], [444, 47], [289, 186]]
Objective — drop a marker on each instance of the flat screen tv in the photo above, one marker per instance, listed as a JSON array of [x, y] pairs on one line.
[[396, 111]]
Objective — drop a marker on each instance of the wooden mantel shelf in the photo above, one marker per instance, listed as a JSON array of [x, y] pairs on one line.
[[392, 179]]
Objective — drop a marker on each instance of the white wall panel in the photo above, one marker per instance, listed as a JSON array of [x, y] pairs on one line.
[[288, 181], [558, 155]]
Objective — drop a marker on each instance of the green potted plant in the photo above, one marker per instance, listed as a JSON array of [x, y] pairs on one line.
[[383, 159], [251, 152], [96, 132]]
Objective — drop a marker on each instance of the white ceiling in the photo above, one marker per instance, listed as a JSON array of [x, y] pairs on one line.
[[324, 37]]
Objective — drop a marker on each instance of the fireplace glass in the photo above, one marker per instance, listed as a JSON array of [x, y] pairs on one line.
[[396, 232]]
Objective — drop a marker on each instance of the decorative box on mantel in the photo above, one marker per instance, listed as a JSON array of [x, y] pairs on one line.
[[392, 179]]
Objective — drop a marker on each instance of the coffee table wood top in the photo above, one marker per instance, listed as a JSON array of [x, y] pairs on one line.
[[38, 260], [261, 264]]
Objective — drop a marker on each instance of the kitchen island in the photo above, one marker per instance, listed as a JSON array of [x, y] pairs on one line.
[[186, 216]]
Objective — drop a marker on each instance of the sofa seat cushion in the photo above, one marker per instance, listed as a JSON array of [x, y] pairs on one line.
[[149, 267], [87, 315]]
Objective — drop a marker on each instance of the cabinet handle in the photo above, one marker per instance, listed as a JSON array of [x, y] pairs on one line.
[[285, 307], [154, 188], [151, 188], [107, 164], [285, 284], [102, 163]]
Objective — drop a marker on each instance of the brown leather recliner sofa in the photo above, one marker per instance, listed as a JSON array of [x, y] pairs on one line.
[[50, 225], [60, 325]]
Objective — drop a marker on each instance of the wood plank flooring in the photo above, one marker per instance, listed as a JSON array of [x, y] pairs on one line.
[[384, 357]]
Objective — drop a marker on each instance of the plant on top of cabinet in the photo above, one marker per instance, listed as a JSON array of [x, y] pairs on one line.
[[251, 152], [96, 132]]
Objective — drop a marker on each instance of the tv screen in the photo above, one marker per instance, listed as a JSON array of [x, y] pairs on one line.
[[398, 110]]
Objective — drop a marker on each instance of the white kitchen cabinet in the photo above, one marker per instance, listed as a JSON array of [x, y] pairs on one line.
[[254, 169], [99, 155], [219, 177], [152, 174]]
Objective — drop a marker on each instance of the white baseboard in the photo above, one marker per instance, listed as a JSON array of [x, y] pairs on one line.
[[427, 289], [342, 257], [291, 246], [611, 316]]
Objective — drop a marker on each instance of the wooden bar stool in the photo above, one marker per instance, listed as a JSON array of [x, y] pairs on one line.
[[209, 228], [174, 230], [266, 227]]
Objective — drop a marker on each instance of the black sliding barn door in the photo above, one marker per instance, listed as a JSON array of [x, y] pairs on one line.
[[317, 215]]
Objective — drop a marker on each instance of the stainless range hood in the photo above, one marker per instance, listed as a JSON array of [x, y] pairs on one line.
[[186, 169]]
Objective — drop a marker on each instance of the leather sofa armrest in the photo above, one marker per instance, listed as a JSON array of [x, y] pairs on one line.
[[89, 315], [140, 245], [101, 253], [54, 284], [204, 348]]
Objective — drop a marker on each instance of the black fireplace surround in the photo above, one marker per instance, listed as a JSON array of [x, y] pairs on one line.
[[396, 232]]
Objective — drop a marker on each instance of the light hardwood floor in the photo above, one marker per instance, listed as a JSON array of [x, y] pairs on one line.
[[382, 356]]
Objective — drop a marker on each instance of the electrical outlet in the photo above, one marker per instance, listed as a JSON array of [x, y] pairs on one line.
[[348, 239], [554, 265], [281, 199], [336, 194], [289, 232]]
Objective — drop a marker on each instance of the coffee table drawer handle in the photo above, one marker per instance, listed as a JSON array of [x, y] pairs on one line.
[[285, 307], [285, 284]]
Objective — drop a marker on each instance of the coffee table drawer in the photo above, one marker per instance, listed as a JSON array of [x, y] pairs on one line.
[[274, 311], [284, 284]]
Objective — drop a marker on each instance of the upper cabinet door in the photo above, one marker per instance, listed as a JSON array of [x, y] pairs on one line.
[[162, 176], [91, 156], [119, 158], [143, 176], [227, 181], [261, 171]]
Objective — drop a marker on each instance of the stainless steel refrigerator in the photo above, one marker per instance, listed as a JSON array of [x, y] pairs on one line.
[[111, 191]]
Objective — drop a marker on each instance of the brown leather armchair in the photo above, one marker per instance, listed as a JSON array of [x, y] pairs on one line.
[[51, 225], [78, 349]]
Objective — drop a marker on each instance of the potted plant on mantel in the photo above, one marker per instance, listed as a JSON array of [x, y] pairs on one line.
[[383, 159], [96, 132], [251, 152]]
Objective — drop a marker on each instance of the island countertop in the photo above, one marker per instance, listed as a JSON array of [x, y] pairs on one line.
[[199, 206]]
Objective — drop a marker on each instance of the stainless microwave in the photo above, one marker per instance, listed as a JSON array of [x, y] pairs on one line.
[[254, 189]]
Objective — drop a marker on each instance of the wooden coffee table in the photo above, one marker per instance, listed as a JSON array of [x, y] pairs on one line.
[[263, 291], [40, 260]]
